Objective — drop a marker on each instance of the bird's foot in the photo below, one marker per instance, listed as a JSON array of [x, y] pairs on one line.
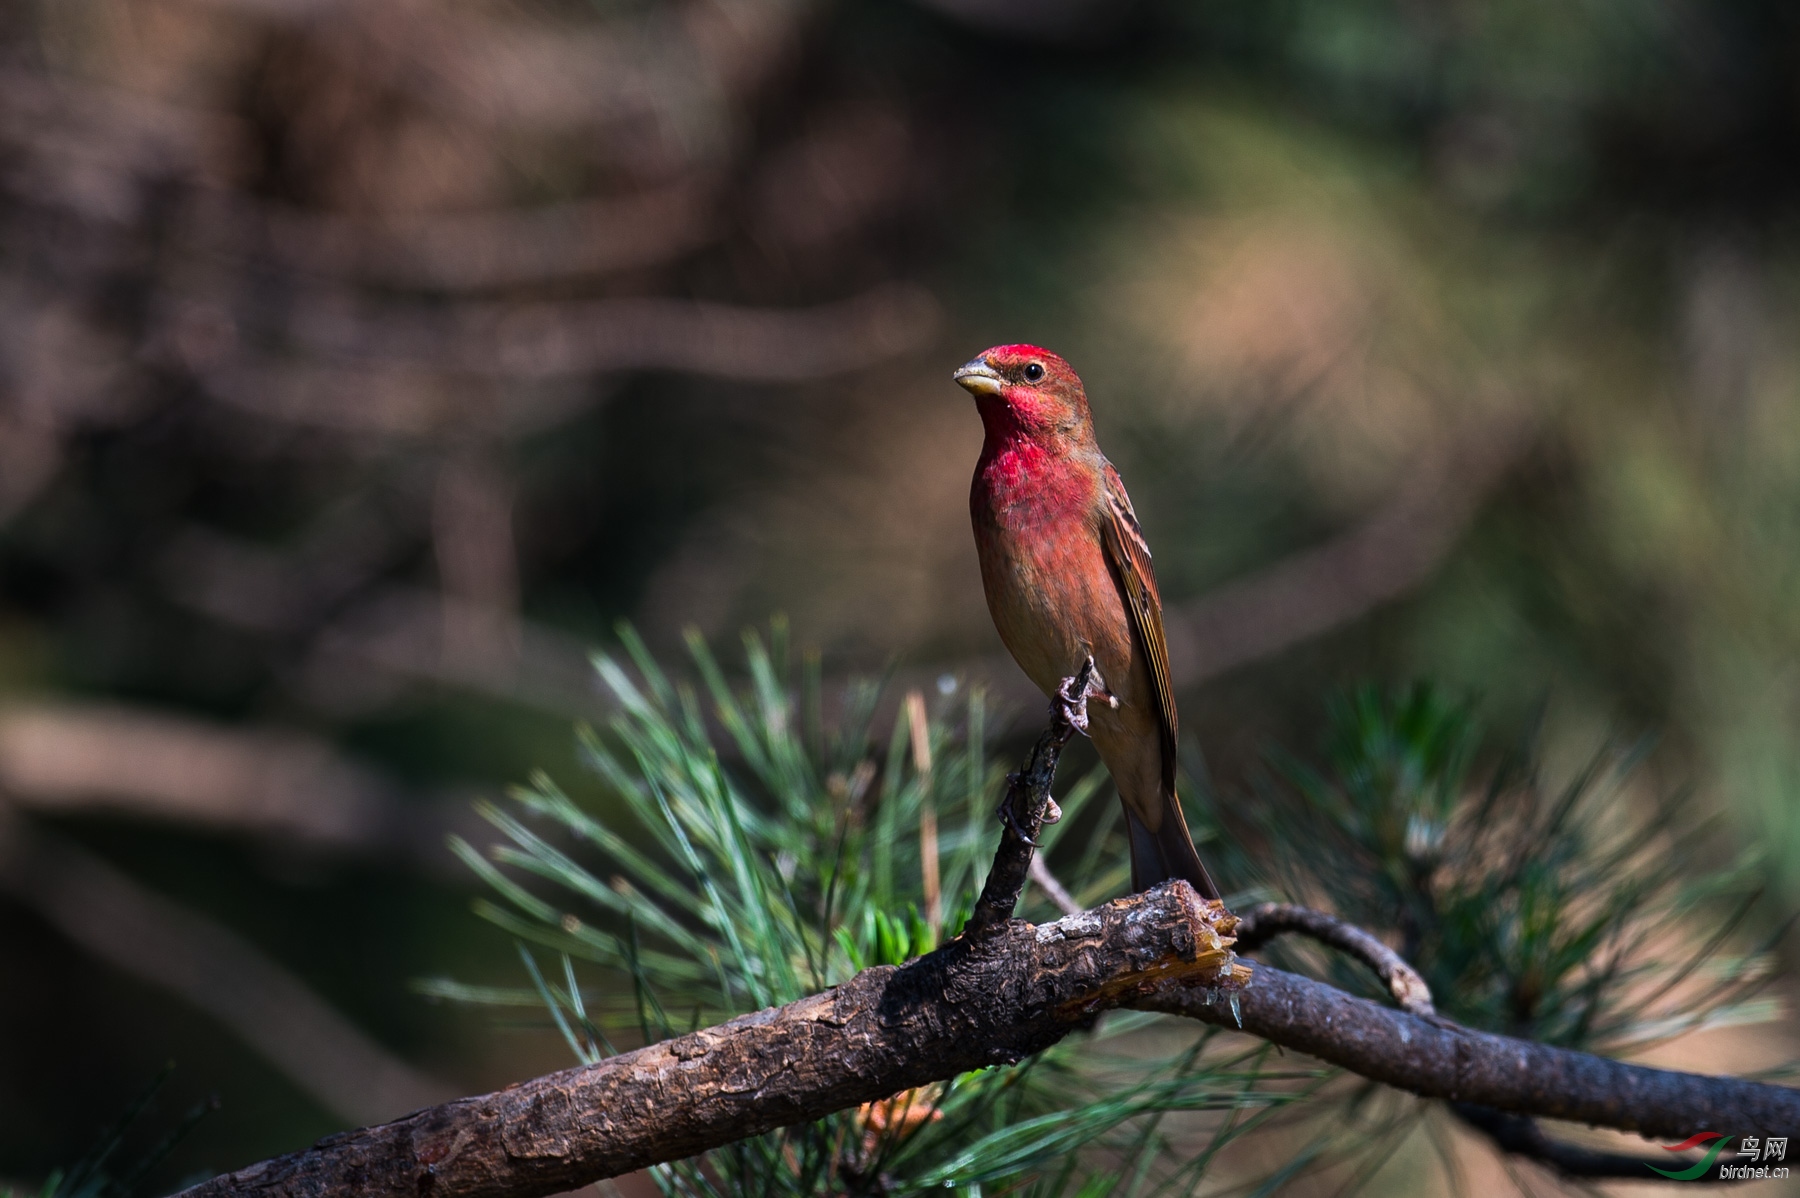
[[1010, 818], [1071, 698]]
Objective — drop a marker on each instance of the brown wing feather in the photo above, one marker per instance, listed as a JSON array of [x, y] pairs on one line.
[[1129, 556]]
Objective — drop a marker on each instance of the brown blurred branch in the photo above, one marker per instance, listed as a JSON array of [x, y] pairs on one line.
[[540, 76], [412, 373], [252, 586], [368, 638], [360, 400], [477, 566], [395, 636], [177, 950], [284, 787], [365, 637], [545, 340], [88, 146], [469, 251], [70, 758]]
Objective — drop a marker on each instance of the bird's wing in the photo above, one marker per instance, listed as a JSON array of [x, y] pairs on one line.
[[1129, 556]]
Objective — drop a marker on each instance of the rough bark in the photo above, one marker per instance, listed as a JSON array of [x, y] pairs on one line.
[[979, 1001], [1436, 1058], [988, 1001]]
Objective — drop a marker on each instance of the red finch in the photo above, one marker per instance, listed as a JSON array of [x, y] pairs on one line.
[[1068, 577]]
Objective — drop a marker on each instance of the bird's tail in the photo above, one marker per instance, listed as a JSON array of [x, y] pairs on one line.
[[1167, 852]]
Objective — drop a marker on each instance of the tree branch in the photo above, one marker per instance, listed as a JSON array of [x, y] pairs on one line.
[[985, 1000], [1052, 886], [976, 1002], [1435, 1058], [546, 339]]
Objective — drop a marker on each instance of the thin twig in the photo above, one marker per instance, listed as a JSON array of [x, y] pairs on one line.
[[1263, 923], [1053, 889]]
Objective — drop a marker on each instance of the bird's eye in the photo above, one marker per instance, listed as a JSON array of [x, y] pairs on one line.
[[1034, 371]]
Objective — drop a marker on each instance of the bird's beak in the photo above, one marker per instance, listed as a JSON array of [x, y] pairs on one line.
[[979, 378]]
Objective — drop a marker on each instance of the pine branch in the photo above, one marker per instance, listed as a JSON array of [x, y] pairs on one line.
[[990, 997], [979, 1001], [988, 1001]]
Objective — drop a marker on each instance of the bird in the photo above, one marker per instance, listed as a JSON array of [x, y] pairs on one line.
[[1068, 577]]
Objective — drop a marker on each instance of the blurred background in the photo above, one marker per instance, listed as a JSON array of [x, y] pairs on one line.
[[362, 364]]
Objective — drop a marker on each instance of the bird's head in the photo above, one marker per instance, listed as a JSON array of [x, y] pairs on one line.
[[1025, 389]]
